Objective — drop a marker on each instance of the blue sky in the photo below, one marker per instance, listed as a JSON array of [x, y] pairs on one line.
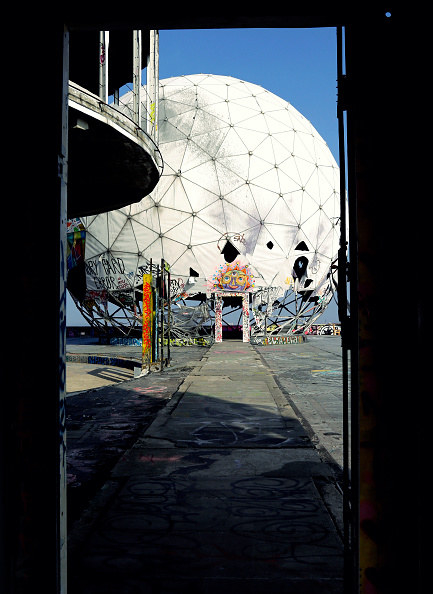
[[298, 65]]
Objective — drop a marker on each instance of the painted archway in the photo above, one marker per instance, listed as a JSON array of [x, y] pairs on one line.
[[245, 314]]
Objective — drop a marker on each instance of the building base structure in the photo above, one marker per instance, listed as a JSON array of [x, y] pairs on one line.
[[245, 314]]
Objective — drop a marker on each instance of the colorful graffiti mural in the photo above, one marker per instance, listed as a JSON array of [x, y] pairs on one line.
[[186, 341], [218, 318], [76, 241], [269, 340], [233, 277], [324, 329], [147, 319], [245, 318]]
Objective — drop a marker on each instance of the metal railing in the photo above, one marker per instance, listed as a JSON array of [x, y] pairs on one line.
[[90, 104]]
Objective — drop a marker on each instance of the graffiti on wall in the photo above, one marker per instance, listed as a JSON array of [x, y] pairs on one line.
[[184, 341], [314, 330], [146, 344], [324, 329], [245, 319], [278, 339], [129, 341], [233, 276], [263, 304], [245, 315], [218, 318], [108, 273], [76, 242]]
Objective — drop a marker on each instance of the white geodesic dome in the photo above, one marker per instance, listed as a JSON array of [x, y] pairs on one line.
[[247, 180]]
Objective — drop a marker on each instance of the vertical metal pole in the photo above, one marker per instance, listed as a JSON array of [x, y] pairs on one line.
[[103, 65], [156, 317], [345, 331], [354, 343], [63, 174], [162, 306], [153, 86], [156, 58], [169, 317], [136, 77], [151, 317]]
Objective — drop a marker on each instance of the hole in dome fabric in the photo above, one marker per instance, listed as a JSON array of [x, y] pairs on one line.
[[300, 267], [302, 247], [229, 252]]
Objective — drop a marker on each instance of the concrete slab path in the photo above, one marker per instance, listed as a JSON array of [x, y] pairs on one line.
[[222, 491]]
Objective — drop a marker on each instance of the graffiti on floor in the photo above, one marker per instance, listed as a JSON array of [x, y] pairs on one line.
[[187, 529], [154, 390], [245, 433]]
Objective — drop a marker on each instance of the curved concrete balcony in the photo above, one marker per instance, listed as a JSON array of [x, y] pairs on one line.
[[112, 162]]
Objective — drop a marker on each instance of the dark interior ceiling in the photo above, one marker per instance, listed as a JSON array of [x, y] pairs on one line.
[[84, 41], [84, 35], [307, 17]]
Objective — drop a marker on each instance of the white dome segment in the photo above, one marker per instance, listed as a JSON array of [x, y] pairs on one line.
[[242, 166]]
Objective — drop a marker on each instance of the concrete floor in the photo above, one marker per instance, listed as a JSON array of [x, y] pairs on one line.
[[218, 485], [85, 376]]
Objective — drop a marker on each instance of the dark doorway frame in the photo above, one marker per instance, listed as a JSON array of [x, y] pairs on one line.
[[386, 530]]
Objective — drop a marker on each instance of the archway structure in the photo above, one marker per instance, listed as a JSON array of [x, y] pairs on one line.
[[245, 314]]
